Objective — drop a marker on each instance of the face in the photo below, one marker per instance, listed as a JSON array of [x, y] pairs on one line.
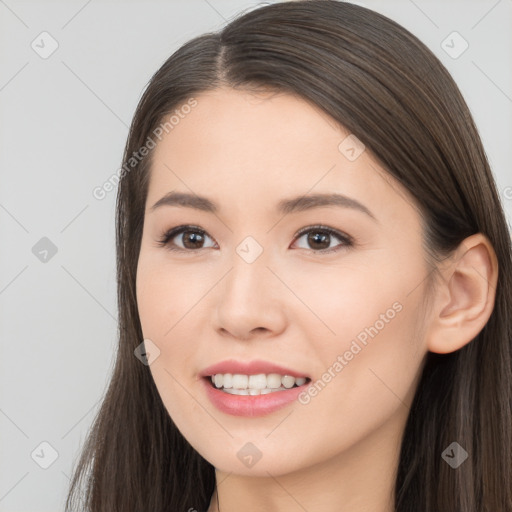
[[329, 292]]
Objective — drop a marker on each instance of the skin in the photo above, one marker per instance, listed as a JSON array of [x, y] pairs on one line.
[[294, 305]]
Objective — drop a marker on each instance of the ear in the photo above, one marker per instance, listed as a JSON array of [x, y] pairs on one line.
[[464, 296]]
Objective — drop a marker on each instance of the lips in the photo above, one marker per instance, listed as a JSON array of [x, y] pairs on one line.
[[251, 406], [253, 367]]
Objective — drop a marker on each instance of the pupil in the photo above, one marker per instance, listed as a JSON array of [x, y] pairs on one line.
[[316, 238], [191, 237]]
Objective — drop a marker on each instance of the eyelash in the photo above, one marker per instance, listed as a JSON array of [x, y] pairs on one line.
[[167, 236]]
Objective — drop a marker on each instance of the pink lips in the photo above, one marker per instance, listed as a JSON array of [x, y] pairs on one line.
[[250, 405], [247, 405]]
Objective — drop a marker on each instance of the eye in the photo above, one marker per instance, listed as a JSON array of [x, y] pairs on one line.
[[320, 237], [192, 238]]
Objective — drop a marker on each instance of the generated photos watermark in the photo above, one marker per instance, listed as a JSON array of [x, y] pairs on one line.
[[356, 346]]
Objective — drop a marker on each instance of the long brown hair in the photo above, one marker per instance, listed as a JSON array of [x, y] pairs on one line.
[[386, 87]]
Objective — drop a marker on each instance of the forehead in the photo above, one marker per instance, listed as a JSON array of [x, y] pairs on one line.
[[249, 148], [241, 126]]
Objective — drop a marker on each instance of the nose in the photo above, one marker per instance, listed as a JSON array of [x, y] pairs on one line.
[[249, 301]]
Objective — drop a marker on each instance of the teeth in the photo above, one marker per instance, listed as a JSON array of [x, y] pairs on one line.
[[238, 384], [288, 381], [227, 380], [257, 381], [274, 380], [239, 381]]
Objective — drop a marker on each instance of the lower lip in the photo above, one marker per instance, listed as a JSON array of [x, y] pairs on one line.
[[251, 405]]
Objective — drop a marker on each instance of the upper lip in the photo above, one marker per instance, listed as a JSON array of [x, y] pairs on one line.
[[253, 367]]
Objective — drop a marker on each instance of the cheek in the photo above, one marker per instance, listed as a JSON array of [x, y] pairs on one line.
[[166, 294], [163, 298], [154, 301], [342, 303], [169, 304], [371, 369], [363, 340]]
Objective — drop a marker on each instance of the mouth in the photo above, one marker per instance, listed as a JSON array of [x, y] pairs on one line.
[[254, 385]]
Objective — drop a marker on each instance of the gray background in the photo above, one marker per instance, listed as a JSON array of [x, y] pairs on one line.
[[64, 121]]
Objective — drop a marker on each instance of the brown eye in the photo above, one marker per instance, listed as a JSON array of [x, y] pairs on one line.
[[320, 238], [191, 238]]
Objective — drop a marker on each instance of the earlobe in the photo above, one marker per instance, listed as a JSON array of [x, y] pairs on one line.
[[465, 296]]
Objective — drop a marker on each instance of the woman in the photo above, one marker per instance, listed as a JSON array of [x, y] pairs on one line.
[[314, 281]]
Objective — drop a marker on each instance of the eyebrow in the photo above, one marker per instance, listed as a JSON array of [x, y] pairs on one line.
[[285, 206]]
